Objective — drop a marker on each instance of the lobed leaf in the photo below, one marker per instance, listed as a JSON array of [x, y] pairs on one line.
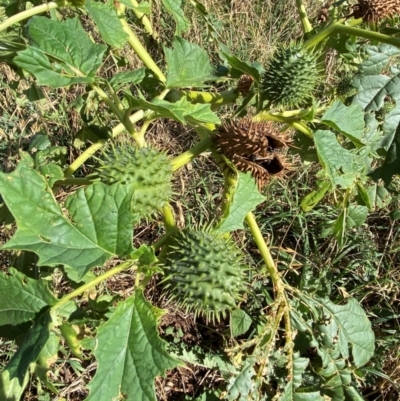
[[22, 297], [244, 200], [188, 65], [106, 19], [99, 226], [129, 353]]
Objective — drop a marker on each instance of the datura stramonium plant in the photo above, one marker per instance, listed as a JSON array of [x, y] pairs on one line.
[[147, 170], [204, 272]]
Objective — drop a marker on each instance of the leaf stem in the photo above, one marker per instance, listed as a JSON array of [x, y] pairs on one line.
[[169, 219], [307, 27], [94, 282], [30, 13], [145, 21], [217, 99], [192, 153], [139, 48]]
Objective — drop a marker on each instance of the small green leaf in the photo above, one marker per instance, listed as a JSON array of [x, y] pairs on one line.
[[240, 322], [15, 376], [175, 9], [245, 199], [313, 198], [128, 77], [78, 58], [356, 215], [363, 196], [241, 385], [182, 111], [339, 228], [144, 6], [106, 19], [188, 65], [129, 353], [71, 337], [379, 196], [99, 226], [347, 120], [22, 297]]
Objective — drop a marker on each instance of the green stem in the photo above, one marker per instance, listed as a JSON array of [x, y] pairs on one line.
[[265, 253], [192, 153], [30, 13], [320, 36], [91, 150], [139, 48], [307, 27], [74, 181], [371, 35], [145, 21], [217, 99], [97, 280]]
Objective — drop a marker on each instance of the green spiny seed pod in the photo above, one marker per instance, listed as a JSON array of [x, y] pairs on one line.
[[291, 76], [204, 273], [345, 88], [147, 170]]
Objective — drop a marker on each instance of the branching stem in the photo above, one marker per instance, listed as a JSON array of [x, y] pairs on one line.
[[192, 153], [30, 13], [307, 27], [93, 283]]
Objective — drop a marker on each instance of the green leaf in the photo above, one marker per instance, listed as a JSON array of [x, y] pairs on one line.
[[290, 395], [339, 228], [182, 111], [347, 120], [128, 77], [129, 353], [188, 65], [379, 196], [313, 198], [338, 162], [356, 215], [349, 325], [244, 200], [363, 197], [239, 64], [99, 226], [106, 19], [144, 7], [70, 336], [242, 385], [22, 297], [240, 322], [15, 376], [175, 9], [77, 57]]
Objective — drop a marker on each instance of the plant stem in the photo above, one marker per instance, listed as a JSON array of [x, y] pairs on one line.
[[217, 99], [139, 48], [307, 27], [30, 13], [265, 253], [320, 36], [145, 21], [74, 181], [91, 150], [192, 153], [94, 282]]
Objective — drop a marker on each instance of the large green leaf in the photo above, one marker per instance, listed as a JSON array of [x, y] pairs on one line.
[[347, 325], [129, 353], [244, 200], [175, 9], [99, 225], [106, 19], [76, 57], [182, 111], [15, 376], [188, 65], [373, 87], [338, 162], [22, 297], [347, 120]]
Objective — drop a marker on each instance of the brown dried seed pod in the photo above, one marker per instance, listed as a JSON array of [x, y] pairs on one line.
[[375, 10], [244, 84]]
